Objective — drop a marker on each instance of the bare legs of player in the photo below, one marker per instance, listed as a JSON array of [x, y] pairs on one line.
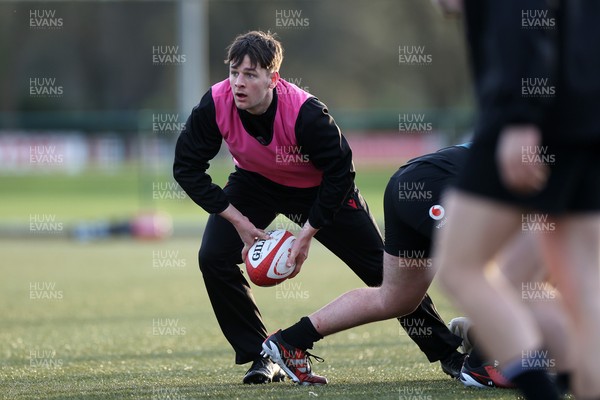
[[504, 326], [573, 257], [400, 293], [521, 263], [479, 228]]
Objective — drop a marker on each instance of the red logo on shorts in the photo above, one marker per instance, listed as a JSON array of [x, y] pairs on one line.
[[437, 212]]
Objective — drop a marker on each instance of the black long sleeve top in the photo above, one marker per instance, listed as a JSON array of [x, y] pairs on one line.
[[317, 135]]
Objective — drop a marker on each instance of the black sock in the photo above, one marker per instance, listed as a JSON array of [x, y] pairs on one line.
[[563, 382], [476, 359], [533, 382], [536, 385], [302, 334]]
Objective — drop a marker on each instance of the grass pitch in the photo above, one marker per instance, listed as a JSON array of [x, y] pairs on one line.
[[120, 319], [106, 321]]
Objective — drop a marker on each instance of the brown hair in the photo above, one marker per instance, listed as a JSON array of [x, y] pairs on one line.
[[261, 47]]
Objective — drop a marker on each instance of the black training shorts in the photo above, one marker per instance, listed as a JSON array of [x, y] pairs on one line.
[[413, 209], [573, 185]]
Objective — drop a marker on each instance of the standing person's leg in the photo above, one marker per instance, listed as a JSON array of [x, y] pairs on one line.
[[479, 229], [573, 256], [228, 290], [522, 264]]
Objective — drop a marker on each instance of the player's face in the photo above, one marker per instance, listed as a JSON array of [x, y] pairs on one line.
[[252, 86]]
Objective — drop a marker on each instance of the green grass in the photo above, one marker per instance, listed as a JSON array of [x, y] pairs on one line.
[[97, 340]]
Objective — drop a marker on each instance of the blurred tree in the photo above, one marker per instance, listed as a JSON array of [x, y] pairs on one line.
[[346, 52]]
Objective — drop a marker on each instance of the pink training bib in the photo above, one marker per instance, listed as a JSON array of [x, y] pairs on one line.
[[282, 160]]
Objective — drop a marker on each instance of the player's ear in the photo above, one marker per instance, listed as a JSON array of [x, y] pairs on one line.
[[274, 79]]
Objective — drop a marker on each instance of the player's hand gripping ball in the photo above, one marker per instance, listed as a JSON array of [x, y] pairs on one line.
[[266, 259]]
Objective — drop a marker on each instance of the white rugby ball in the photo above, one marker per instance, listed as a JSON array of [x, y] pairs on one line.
[[266, 259]]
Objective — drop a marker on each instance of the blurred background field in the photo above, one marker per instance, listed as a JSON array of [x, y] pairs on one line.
[[96, 196], [88, 123]]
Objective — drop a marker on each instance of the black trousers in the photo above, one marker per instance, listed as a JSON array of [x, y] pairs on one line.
[[353, 237]]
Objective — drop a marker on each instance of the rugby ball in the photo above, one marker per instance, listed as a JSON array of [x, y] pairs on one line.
[[266, 259]]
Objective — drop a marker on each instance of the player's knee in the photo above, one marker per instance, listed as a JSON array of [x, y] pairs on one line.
[[212, 263], [399, 310], [404, 307], [396, 304]]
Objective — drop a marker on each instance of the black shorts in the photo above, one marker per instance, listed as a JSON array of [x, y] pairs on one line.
[[412, 209], [573, 185]]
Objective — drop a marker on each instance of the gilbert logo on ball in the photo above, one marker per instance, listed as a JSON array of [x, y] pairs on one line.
[[266, 259], [437, 212]]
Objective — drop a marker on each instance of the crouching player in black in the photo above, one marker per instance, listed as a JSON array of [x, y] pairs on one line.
[[412, 213]]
